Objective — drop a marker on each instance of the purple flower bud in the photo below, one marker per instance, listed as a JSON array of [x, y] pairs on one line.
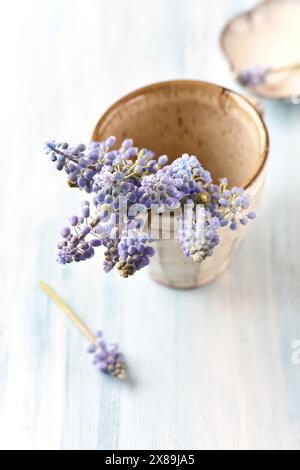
[[96, 242], [111, 141], [73, 220], [102, 366], [224, 202], [127, 143], [138, 169], [88, 174], [91, 349], [81, 182], [163, 160], [65, 232], [144, 261], [85, 231], [131, 250], [59, 165], [119, 176], [101, 355], [85, 211], [131, 152], [84, 246], [74, 240], [81, 147], [149, 251]]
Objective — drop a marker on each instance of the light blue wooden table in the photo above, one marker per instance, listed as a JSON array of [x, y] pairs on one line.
[[211, 367]]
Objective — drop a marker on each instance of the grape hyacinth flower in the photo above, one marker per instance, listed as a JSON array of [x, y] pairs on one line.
[[79, 239], [111, 254], [126, 184], [232, 205], [257, 75], [107, 358], [111, 186], [134, 253], [91, 169], [198, 233], [253, 77], [161, 190], [189, 168]]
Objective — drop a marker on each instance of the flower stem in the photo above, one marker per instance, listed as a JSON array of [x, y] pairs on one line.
[[66, 155], [68, 311], [285, 68]]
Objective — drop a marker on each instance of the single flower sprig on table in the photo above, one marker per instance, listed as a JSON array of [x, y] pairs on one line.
[[107, 358], [257, 75]]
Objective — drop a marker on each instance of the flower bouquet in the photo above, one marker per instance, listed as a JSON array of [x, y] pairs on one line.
[[128, 188]]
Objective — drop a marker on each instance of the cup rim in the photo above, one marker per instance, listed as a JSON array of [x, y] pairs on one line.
[[240, 100]]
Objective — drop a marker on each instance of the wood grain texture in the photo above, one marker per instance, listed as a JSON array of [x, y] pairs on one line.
[[211, 368]]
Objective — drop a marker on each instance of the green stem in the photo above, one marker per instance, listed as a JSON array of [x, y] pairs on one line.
[[68, 311]]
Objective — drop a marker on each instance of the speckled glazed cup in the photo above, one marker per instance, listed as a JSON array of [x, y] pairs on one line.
[[222, 128]]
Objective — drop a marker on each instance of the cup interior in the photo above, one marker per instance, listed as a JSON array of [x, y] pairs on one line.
[[220, 127]]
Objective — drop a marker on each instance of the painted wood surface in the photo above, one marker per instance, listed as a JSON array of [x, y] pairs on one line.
[[211, 368]]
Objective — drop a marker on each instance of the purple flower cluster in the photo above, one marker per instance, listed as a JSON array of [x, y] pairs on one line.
[[198, 233], [161, 190], [74, 245], [108, 358], [253, 77], [82, 165], [111, 254], [134, 253], [231, 206], [188, 168], [125, 184]]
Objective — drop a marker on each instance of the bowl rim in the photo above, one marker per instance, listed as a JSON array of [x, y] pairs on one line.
[[248, 12], [239, 99]]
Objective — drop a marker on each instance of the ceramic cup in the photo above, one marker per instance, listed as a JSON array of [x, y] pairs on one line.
[[223, 129]]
